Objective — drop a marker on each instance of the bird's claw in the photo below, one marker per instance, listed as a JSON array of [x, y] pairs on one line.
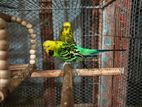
[[75, 73]]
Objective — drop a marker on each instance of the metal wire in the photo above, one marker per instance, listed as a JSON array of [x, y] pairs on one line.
[[135, 57]]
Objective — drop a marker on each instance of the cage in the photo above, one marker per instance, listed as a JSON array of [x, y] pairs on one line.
[[96, 24]]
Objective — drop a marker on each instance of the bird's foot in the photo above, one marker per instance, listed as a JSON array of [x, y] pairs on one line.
[[75, 73]]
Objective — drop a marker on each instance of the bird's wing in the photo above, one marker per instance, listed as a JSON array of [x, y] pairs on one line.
[[69, 52]]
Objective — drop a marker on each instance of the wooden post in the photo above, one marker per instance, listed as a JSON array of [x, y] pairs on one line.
[[66, 95]]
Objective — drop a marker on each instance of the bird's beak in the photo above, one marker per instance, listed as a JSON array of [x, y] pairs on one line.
[[47, 52], [51, 52]]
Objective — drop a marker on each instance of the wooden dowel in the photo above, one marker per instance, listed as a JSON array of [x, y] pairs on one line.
[[4, 74], [24, 23], [81, 72], [17, 66], [29, 26], [32, 61], [3, 45], [18, 20], [3, 55], [3, 34], [33, 57], [48, 73], [60, 73], [33, 46], [66, 94]]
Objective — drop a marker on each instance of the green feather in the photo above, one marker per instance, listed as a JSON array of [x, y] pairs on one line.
[[70, 52], [85, 51]]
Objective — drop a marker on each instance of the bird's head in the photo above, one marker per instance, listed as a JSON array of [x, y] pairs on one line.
[[66, 27], [51, 47]]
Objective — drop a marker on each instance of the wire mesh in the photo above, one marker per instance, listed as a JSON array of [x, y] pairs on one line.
[[88, 18], [134, 62], [18, 35]]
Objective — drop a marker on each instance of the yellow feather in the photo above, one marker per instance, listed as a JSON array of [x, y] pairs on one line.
[[51, 45], [66, 34]]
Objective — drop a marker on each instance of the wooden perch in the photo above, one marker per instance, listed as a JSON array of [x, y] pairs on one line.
[[17, 68], [66, 95], [23, 73], [80, 72]]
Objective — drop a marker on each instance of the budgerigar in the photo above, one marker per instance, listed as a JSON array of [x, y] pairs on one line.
[[66, 34], [70, 52]]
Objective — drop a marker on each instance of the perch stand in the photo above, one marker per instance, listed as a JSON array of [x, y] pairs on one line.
[[66, 95], [18, 72]]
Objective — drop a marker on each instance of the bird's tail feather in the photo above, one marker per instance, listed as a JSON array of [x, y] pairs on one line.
[[103, 50], [107, 50]]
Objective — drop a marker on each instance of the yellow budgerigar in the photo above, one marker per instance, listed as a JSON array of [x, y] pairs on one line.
[[66, 34]]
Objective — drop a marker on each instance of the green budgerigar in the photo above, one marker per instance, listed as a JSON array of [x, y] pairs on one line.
[[70, 52]]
